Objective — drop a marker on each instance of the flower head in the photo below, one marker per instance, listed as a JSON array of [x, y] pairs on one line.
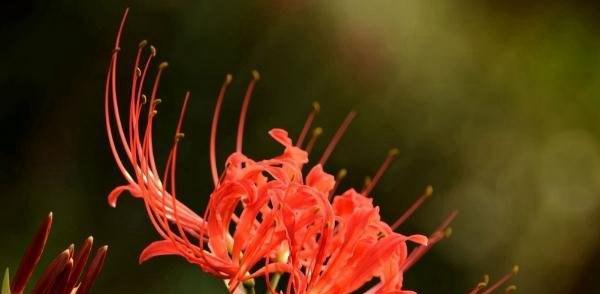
[[264, 218]]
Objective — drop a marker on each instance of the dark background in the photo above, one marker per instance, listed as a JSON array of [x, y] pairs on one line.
[[495, 105]]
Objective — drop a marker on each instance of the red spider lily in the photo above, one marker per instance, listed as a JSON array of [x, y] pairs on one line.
[[264, 218], [65, 274]]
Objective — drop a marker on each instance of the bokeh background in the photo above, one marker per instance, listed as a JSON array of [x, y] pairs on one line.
[[494, 103]]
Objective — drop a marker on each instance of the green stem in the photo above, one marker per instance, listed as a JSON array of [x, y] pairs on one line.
[[275, 281]]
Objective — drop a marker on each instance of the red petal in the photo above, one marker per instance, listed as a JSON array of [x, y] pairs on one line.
[[158, 248]]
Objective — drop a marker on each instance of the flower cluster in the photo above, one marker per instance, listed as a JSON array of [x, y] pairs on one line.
[[66, 273], [265, 218]]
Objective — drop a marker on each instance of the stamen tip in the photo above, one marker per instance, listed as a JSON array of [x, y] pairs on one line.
[[143, 44], [510, 289], [255, 75], [485, 282], [342, 173], [152, 50], [515, 269], [393, 152], [448, 232], [316, 106], [318, 131], [428, 191], [228, 78], [163, 65]]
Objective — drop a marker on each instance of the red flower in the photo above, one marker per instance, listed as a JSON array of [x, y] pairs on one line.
[[264, 218]]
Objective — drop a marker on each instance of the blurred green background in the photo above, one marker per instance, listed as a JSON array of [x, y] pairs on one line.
[[494, 103]]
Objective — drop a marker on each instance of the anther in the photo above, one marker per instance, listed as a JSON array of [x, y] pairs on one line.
[[381, 171], [338, 179], [116, 50], [316, 106], [138, 72], [157, 101], [448, 232], [485, 282], [428, 191], [143, 44], [179, 136], [152, 50], [426, 194], [318, 131], [163, 65], [255, 75], [510, 289], [308, 123], [502, 280], [144, 99], [228, 78], [367, 182]]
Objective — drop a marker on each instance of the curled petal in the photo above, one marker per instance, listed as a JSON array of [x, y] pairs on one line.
[[320, 180], [116, 193], [158, 248], [419, 239], [291, 153], [281, 136]]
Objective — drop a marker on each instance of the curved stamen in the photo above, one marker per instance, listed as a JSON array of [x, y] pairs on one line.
[[316, 107], [502, 280], [316, 133], [443, 231], [484, 283], [338, 179], [336, 138], [244, 111], [384, 166], [426, 194], [213, 130]]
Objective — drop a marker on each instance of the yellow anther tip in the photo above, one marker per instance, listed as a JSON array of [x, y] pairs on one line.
[[163, 65], [393, 152], [153, 50], [228, 78], [515, 269], [428, 190], [342, 173], [484, 283], [448, 232], [256, 75], [143, 44], [318, 131], [316, 106]]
